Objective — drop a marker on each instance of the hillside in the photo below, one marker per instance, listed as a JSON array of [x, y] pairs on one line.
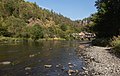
[[21, 19]]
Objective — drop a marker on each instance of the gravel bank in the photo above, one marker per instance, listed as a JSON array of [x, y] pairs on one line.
[[99, 61]]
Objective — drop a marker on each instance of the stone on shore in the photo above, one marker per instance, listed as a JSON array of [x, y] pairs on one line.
[[28, 68], [47, 66], [100, 62], [5, 63], [70, 72]]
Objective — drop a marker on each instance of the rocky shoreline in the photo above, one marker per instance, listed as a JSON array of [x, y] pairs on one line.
[[99, 61]]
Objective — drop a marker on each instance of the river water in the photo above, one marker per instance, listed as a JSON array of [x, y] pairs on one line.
[[30, 58]]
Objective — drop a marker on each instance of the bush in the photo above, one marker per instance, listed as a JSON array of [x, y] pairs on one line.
[[101, 42], [116, 44]]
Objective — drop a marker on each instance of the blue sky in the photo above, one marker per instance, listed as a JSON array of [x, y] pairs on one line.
[[73, 9]]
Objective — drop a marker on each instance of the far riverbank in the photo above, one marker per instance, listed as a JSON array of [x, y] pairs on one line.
[[10, 39]]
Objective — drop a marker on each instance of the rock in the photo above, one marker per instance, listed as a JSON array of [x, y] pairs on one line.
[[31, 55], [117, 71], [83, 68], [59, 66], [28, 68], [47, 66], [86, 72], [76, 71], [70, 72], [6, 63], [92, 58], [70, 66], [100, 62], [69, 63]]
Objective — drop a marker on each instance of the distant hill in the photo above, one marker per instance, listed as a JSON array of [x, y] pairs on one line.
[[19, 18]]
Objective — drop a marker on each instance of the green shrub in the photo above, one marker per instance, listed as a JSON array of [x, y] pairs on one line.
[[116, 44]]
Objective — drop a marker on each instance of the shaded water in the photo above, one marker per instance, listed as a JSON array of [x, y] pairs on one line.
[[28, 59]]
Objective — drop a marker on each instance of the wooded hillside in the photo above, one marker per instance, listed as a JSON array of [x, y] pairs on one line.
[[21, 19]]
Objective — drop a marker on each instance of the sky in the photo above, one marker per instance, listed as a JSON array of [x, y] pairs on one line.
[[73, 9]]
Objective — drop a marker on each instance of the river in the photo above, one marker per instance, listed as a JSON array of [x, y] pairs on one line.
[[30, 58]]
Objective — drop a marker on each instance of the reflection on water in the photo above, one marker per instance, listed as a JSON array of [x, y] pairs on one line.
[[29, 59]]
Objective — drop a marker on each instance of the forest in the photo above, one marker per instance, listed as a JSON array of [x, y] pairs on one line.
[[22, 19]]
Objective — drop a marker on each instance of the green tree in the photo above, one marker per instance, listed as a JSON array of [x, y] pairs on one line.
[[64, 27], [107, 22], [36, 32], [14, 26]]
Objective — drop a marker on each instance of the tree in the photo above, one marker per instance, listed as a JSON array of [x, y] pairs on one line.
[[14, 26], [107, 22], [36, 32], [64, 27]]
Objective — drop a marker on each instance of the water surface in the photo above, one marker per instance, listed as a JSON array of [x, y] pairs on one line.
[[30, 58]]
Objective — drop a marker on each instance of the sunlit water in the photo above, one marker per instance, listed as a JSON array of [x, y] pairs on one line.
[[29, 59]]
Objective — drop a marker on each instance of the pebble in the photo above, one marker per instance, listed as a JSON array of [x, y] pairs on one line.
[[77, 71], [57, 66], [70, 66], [83, 68], [28, 68], [101, 61], [86, 72], [31, 55], [60, 66], [69, 63], [70, 72], [6, 63], [47, 66]]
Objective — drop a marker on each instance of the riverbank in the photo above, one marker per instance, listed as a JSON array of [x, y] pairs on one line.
[[10, 39], [99, 61]]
